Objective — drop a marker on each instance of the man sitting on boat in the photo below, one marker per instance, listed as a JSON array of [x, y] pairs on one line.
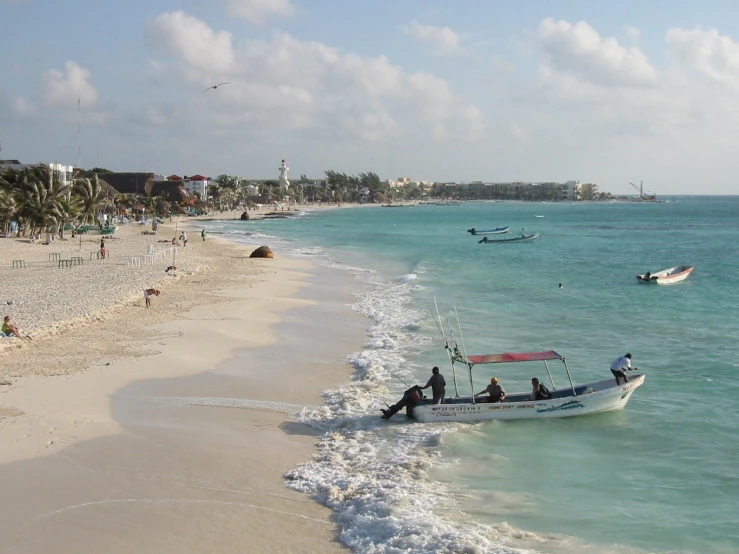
[[495, 392], [540, 392], [438, 385], [620, 366], [411, 397]]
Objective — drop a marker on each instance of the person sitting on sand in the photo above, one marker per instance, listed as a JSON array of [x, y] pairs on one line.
[[147, 295], [495, 392], [170, 268], [10, 330], [175, 242]]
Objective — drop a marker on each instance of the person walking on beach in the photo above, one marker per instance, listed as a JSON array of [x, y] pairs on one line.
[[495, 392], [620, 366], [148, 294], [202, 234], [438, 386], [183, 239]]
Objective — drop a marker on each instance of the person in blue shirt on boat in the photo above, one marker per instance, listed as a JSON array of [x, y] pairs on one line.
[[620, 366], [539, 392], [438, 386], [495, 392]]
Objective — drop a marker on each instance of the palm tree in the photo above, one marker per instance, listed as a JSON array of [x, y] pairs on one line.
[[66, 211], [92, 195], [8, 205], [39, 192]]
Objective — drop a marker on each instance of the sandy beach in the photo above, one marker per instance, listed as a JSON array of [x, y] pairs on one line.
[[164, 429]]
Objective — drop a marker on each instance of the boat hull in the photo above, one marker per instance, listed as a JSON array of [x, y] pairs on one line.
[[670, 276], [606, 396], [524, 238], [498, 231]]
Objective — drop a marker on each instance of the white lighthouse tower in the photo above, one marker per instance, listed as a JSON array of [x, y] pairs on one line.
[[284, 183]]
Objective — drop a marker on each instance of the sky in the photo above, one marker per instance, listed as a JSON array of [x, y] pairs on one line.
[[463, 90]]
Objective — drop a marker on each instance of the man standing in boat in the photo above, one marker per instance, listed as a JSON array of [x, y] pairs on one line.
[[438, 386], [620, 366]]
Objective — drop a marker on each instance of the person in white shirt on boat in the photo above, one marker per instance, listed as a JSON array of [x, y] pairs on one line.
[[495, 392], [620, 366]]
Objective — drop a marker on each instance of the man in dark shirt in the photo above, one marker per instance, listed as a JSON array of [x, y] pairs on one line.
[[411, 397], [438, 386], [539, 392]]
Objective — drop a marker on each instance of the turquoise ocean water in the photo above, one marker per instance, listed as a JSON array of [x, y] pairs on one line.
[[660, 476]]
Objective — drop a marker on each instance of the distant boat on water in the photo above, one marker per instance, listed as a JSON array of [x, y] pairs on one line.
[[538, 216], [496, 231], [669, 276], [521, 238]]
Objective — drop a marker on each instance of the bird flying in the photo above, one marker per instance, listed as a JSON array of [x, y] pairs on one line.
[[214, 87]]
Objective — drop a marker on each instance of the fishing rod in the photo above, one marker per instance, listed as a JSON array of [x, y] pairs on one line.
[[437, 319], [464, 350], [401, 380]]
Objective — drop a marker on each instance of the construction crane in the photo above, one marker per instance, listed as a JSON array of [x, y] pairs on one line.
[[646, 197]]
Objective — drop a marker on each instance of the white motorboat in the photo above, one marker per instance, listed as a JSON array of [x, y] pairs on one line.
[[669, 276], [568, 401]]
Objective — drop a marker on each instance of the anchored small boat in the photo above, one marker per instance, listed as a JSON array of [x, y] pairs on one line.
[[669, 276], [521, 238], [497, 231]]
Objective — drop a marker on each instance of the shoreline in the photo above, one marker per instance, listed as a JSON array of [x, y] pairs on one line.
[[66, 417]]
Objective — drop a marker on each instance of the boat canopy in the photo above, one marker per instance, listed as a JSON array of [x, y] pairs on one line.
[[514, 357]]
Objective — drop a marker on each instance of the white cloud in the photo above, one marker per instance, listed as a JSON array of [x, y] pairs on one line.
[[62, 89], [191, 39], [520, 133], [579, 49], [711, 54], [286, 84], [442, 39], [670, 126], [633, 33], [23, 107], [258, 11]]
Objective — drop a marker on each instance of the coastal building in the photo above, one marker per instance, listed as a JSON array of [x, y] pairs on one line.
[[65, 173], [549, 190], [196, 185], [137, 183], [571, 190]]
